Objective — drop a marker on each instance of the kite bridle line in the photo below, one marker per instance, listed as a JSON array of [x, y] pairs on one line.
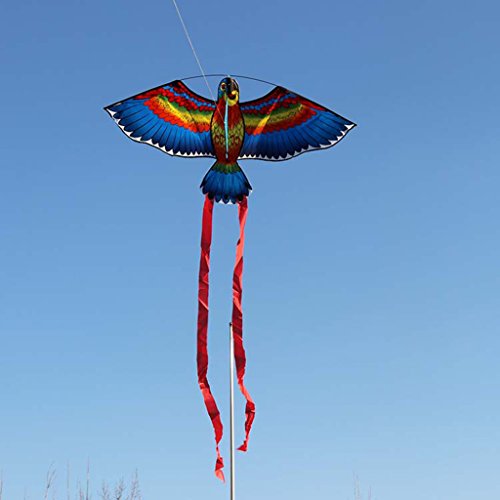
[[195, 54], [226, 128], [203, 74], [186, 32]]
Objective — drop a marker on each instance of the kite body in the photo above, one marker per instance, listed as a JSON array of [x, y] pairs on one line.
[[275, 127], [225, 181]]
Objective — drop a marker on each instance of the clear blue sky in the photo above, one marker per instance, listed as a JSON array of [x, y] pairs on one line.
[[372, 309]]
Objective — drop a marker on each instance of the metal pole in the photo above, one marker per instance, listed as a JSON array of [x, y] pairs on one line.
[[231, 413]]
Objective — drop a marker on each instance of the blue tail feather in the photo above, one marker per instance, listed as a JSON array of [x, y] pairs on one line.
[[226, 182]]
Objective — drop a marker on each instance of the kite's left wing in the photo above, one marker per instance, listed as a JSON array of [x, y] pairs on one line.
[[172, 118], [283, 124]]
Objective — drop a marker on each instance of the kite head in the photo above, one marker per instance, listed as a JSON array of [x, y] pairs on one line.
[[229, 90]]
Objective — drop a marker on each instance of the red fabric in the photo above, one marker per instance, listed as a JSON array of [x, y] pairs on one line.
[[202, 354], [237, 321]]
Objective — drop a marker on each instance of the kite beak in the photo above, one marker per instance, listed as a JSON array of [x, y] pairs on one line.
[[232, 89]]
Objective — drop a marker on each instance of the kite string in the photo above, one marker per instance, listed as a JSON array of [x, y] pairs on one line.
[[186, 32]]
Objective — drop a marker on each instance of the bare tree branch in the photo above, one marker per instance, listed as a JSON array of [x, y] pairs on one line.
[[80, 494], [51, 474], [119, 490], [129, 490], [104, 494], [135, 492], [68, 494], [87, 497]]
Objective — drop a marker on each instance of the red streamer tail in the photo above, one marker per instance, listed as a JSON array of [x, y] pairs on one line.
[[237, 322], [202, 353]]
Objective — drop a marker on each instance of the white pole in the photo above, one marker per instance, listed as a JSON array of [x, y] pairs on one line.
[[231, 413]]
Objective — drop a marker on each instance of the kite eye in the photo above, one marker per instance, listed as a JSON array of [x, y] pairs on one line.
[[223, 86]]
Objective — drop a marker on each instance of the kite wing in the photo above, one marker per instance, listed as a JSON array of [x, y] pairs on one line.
[[172, 118], [283, 124]]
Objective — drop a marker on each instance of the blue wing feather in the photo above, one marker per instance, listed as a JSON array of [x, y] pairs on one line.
[[172, 118], [284, 124]]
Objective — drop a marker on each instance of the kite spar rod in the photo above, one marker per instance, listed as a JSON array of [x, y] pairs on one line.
[[231, 415]]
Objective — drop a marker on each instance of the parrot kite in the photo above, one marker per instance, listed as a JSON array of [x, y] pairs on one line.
[[275, 127]]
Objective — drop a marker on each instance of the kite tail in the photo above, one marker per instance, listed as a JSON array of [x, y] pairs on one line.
[[237, 322], [226, 182], [202, 352]]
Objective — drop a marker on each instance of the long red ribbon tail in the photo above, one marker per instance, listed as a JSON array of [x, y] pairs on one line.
[[237, 321], [202, 353]]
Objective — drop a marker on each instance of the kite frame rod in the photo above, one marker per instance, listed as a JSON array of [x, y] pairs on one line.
[[231, 415], [210, 75]]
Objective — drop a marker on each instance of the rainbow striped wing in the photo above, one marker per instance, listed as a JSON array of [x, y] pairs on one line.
[[172, 118], [283, 124]]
